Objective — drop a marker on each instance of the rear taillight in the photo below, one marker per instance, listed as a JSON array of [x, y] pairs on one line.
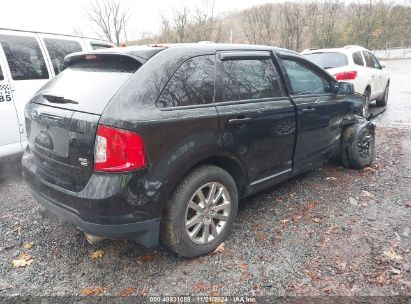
[[118, 150], [351, 75]]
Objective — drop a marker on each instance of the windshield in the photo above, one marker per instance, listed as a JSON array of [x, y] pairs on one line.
[[328, 60]]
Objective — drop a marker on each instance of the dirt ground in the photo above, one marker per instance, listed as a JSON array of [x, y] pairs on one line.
[[332, 231]]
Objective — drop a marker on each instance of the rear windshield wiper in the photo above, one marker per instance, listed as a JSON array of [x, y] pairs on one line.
[[325, 68], [58, 99]]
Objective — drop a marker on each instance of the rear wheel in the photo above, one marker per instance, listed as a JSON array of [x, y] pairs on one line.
[[382, 102], [201, 212]]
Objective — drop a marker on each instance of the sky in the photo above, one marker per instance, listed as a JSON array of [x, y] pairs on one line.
[[63, 17]]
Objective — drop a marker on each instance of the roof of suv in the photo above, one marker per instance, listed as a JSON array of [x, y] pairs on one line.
[[345, 49], [148, 51]]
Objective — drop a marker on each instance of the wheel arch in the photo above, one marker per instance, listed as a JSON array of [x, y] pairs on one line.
[[224, 160], [350, 120], [368, 88]]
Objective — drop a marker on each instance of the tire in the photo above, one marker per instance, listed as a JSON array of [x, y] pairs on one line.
[[365, 112], [357, 147], [382, 102], [178, 217]]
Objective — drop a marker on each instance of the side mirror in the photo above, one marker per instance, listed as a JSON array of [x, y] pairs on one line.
[[345, 88], [382, 65]]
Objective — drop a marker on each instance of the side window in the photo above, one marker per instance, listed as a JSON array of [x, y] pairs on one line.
[[357, 57], [24, 57], [58, 49], [375, 61], [1, 74], [249, 79], [305, 80], [368, 60], [191, 84]]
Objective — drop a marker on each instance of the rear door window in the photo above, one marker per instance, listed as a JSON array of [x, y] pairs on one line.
[[368, 60], [357, 58], [24, 57], [191, 84], [304, 79], [249, 79], [58, 49], [329, 60]]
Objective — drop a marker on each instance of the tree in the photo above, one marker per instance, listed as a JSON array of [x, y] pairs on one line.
[[206, 26], [258, 24], [166, 31], [181, 23], [322, 19], [368, 23], [293, 23], [110, 17]]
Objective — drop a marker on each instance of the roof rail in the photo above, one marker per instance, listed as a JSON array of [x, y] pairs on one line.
[[57, 34], [310, 49], [350, 46]]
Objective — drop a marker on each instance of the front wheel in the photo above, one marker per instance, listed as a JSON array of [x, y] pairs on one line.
[[357, 146], [201, 212]]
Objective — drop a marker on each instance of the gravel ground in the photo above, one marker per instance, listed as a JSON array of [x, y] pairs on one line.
[[331, 231]]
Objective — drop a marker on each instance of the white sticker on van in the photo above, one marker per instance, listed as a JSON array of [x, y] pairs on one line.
[[5, 93]]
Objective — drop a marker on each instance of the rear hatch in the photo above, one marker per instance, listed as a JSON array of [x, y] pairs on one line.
[[335, 63], [62, 118]]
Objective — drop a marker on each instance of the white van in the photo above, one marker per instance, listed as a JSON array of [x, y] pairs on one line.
[[27, 61]]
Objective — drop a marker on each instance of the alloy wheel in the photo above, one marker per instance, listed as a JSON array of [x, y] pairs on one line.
[[207, 213], [364, 145]]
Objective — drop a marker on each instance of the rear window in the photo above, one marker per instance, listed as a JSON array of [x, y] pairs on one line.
[[58, 49], [99, 46], [328, 60], [92, 83], [24, 56]]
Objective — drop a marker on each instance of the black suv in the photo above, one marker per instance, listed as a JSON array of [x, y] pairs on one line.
[[159, 143]]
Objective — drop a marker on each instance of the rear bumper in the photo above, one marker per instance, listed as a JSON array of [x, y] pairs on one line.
[[102, 209], [145, 233]]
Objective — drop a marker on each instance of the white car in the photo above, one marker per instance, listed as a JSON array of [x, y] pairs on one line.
[[27, 61], [357, 65]]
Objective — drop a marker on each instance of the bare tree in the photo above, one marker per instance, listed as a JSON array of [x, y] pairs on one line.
[[293, 23], [258, 24], [206, 25], [322, 19], [181, 23], [110, 17], [368, 23], [166, 30]]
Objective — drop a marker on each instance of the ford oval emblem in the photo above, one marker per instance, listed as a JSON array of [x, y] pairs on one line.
[[35, 113]]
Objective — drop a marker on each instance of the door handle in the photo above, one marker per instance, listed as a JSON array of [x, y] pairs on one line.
[[309, 110], [239, 121]]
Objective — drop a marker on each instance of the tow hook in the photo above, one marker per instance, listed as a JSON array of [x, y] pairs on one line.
[[93, 239]]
